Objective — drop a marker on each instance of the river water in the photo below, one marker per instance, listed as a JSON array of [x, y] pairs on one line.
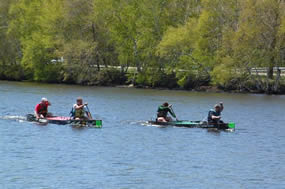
[[126, 153]]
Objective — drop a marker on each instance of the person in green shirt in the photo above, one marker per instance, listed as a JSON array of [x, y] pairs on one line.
[[162, 112]]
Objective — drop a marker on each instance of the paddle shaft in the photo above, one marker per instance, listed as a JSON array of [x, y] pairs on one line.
[[88, 111], [173, 112]]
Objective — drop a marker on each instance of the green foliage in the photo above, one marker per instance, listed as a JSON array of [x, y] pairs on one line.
[[223, 72], [156, 78], [9, 58], [107, 77], [78, 66], [170, 43]]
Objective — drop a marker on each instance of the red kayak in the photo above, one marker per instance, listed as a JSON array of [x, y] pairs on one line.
[[61, 120]]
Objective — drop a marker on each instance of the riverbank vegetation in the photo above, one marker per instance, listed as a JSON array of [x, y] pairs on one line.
[[188, 44]]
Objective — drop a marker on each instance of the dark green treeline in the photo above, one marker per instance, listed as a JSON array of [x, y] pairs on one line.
[[171, 43]]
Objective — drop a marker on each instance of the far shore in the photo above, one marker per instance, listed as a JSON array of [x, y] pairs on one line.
[[206, 89]]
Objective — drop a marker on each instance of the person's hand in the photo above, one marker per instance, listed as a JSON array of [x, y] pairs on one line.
[[41, 116]]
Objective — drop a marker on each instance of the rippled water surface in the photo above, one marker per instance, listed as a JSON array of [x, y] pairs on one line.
[[127, 154]]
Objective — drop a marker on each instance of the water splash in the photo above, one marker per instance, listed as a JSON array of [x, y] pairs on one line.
[[14, 117]]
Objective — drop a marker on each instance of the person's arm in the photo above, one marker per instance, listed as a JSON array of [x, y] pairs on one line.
[[171, 112], [160, 108], [214, 117], [87, 112], [36, 111], [78, 106], [37, 115]]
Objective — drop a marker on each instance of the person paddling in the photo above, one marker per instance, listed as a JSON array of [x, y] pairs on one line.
[[214, 115], [162, 112], [41, 109], [80, 110]]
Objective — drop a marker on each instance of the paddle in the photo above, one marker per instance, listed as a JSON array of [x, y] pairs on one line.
[[88, 111], [173, 112], [71, 113]]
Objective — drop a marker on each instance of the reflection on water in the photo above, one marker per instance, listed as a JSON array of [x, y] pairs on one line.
[[126, 153]]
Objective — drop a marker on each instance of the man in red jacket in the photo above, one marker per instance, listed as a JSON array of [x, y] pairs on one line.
[[41, 110]]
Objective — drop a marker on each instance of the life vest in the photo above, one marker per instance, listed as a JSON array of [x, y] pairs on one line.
[[43, 109], [79, 113]]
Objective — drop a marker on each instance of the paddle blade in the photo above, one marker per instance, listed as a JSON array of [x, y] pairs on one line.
[[232, 125], [98, 123]]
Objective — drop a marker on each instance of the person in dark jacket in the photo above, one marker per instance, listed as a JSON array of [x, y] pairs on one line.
[[214, 115], [162, 112]]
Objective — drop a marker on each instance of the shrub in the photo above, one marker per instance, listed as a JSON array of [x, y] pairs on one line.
[[109, 76], [155, 78]]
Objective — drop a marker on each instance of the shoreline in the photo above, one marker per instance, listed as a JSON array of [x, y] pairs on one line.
[[203, 89]]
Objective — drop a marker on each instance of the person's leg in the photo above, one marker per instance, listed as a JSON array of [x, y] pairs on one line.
[[212, 123], [220, 121], [168, 119], [161, 119]]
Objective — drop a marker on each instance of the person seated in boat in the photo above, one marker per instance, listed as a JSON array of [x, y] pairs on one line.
[[41, 109], [162, 112], [80, 110], [214, 115]]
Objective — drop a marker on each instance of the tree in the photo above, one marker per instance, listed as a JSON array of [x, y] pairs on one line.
[[257, 42], [10, 53]]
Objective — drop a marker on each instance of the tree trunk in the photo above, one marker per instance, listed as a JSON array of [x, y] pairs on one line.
[[136, 56], [277, 81], [93, 32], [258, 82], [98, 62], [270, 71]]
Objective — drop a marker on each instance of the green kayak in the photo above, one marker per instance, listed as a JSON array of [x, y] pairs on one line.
[[196, 124]]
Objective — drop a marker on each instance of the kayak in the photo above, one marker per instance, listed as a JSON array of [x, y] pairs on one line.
[[61, 120], [196, 124]]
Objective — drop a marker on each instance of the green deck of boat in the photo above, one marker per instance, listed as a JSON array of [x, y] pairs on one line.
[[185, 122], [200, 124]]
